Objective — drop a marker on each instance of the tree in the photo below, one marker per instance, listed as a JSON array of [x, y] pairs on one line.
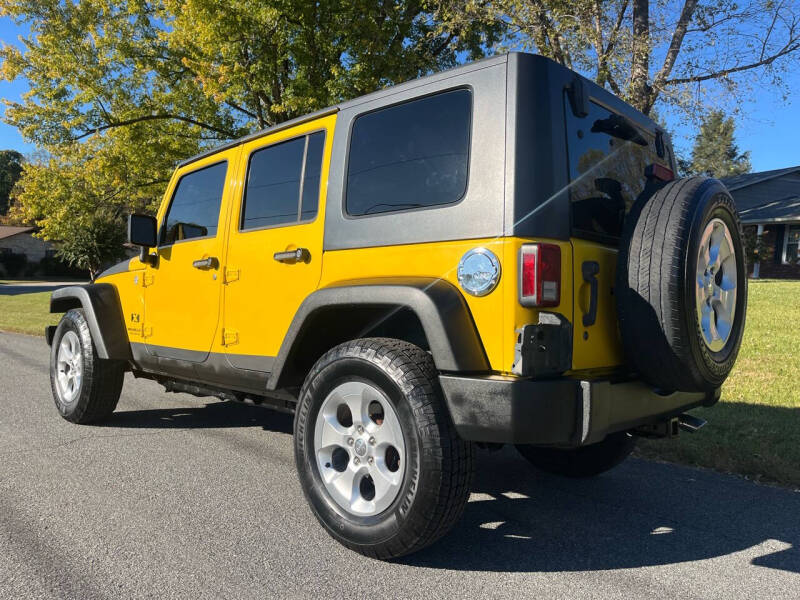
[[652, 52], [715, 152], [92, 242], [120, 91], [10, 171]]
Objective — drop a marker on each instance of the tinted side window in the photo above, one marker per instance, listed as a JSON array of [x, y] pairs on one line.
[[412, 155], [272, 195], [607, 171], [194, 210]]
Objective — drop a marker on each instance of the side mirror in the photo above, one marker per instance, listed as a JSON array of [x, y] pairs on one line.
[[142, 232]]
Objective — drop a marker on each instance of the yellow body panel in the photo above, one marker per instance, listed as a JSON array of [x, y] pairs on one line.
[[497, 315], [130, 287], [183, 302], [245, 306], [598, 346], [261, 294]]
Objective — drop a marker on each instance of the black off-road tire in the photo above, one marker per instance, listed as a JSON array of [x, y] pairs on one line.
[[439, 465], [586, 461], [655, 289], [102, 380]]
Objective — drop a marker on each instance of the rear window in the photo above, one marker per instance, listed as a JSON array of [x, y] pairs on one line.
[[411, 155], [607, 161]]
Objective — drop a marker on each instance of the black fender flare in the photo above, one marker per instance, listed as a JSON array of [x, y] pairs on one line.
[[440, 307], [101, 305]]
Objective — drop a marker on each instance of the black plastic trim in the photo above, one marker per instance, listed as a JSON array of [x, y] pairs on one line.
[[120, 267], [445, 317], [100, 304], [561, 412], [210, 368]]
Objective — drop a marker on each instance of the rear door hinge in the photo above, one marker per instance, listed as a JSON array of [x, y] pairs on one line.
[[230, 337], [147, 331], [231, 274], [148, 279]]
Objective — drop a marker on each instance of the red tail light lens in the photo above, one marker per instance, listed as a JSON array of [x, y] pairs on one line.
[[540, 275]]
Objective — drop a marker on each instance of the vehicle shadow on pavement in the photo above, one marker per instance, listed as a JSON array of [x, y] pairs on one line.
[[641, 514], [213, 415]]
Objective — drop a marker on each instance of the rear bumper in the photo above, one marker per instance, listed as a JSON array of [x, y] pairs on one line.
[[563, 412]]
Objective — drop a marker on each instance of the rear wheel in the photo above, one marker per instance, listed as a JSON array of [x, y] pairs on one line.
[[85, 388], [586, 461], [378, 459]]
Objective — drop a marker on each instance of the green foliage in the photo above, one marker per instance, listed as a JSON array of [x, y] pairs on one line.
[[755, 247], [13, 265], [92, 242], [715, 152], [10, 171], [119, 91]]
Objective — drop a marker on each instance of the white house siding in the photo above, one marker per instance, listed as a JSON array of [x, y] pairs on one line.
[[24, 243]]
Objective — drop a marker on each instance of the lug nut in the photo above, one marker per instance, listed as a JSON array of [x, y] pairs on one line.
[[349, 441], [370, 460], [357, 460], [360, 429], [372, 441]]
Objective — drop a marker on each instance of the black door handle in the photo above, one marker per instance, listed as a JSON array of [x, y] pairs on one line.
[[590, 269], [205, 263], [293, 256]]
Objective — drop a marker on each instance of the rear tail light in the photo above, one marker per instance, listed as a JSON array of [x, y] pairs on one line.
[[540, 275], [656, 171]]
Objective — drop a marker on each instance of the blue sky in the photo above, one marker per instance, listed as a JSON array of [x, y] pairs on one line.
[[766, 125]]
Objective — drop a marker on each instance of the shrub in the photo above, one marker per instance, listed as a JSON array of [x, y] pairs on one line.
[[13, 264]]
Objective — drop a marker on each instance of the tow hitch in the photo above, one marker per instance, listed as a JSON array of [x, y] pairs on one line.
[[671, 427]]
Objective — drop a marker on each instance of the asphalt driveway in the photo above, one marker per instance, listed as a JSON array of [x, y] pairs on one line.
[[185, 498]]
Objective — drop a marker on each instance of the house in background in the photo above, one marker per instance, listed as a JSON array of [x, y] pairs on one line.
[[769, 206], [20, 240]]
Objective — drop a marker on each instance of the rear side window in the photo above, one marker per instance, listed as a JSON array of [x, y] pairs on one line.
[[607, 161], [194, 210], [283, 183], [412, 155]]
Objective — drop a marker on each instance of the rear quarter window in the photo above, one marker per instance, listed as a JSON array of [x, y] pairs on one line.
[[411, 155], [607, 172]]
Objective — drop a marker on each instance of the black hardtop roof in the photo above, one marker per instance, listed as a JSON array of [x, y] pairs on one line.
[[385, 92], [595, 91]]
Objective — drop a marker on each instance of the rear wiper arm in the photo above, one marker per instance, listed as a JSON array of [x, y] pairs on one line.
[[619, 127]]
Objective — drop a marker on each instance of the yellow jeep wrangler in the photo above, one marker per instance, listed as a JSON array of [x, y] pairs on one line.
[[499, 253]]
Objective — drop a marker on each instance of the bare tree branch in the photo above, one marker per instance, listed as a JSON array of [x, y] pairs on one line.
[[154, 117], [787, 49]]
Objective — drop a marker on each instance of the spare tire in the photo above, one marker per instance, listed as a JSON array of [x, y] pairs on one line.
[[682, 285]]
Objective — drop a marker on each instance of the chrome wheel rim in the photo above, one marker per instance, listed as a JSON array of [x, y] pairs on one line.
[[716, 285], [360, 448], [69, 367]]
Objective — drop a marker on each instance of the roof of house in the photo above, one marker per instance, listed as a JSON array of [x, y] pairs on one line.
[[768, 196], [740, 181], [6, 231]]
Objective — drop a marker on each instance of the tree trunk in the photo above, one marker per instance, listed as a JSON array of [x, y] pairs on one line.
[[640, 90]]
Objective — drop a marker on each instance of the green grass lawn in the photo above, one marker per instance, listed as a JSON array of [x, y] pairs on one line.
[[755, 428], [26, 313]]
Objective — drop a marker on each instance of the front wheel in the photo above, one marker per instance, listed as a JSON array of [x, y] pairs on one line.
[[378, 458], [85, 388], [586, 461]]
